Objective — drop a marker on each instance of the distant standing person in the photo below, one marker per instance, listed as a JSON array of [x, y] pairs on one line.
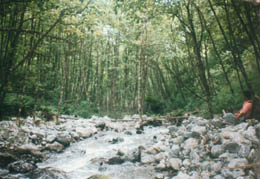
[[244, 112]]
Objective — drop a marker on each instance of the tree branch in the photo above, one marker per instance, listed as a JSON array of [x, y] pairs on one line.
[[30, 53]]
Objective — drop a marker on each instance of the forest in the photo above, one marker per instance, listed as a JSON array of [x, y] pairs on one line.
[[116, 57]]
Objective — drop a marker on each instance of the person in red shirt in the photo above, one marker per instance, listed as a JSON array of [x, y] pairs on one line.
[[246, 110]]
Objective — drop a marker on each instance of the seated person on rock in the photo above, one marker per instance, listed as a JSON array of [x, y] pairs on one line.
[[244, 112]]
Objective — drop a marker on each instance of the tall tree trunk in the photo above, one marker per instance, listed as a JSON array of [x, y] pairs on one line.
[[237, 58], [139, 96], [63, 78], [197, 52], [252, 36], [216, 51]]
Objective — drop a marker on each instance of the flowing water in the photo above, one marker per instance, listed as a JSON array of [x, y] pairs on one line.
[[85, 158]]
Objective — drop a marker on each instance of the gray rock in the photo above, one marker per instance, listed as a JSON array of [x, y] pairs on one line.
[[85, 132], [38, 132], [178, 140], [74, 135], [50, 138], [186, 163], [230, 119], [190, 143], [187, 134], [252, 155], [228, 156], [217, 150], [134, 155], [4, 172], [175, 150], [199, 129], [29, 148], [64, 138], [128, 133], [194, 156], [181, 175], [196, 135], [232, 147], [257, 132], [244, 151], [218, 177], [117, 160], [117, 140], [250, 134], [232, 173], [159, 176], [33, 137], [162, 165], [98, 177], [161, 156], [195, 175], [175, 163], [205, 165], [205, 174], [147, 158], [20, 167], [217, 167], [57, 147], [5, 159], [217, 123], [101, 125], [237, 162], [47, 173], [173, 129]]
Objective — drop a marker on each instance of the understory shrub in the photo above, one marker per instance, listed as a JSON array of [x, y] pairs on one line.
[[83, 109], [13, 102], [154, 105]]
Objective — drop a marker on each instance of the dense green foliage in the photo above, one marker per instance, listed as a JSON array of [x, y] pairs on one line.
[[112, 57]]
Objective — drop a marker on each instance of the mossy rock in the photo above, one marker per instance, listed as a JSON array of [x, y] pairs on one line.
[[99, 177]]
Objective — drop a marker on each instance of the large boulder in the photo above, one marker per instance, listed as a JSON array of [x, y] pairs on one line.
[[86, 132], [64, 138]]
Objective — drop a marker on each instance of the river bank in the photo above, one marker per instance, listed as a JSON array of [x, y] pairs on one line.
[[119, 148]]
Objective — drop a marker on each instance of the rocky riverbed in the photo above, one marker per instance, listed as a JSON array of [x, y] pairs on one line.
[[101, 147]]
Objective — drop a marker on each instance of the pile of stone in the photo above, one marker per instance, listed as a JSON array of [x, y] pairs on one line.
[[206, 149], [22, 147], [195, 149], [199, 149]]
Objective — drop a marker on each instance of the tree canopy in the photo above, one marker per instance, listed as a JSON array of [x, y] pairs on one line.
[[113, 57]]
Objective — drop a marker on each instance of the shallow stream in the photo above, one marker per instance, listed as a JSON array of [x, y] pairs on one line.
[[86, 158]]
